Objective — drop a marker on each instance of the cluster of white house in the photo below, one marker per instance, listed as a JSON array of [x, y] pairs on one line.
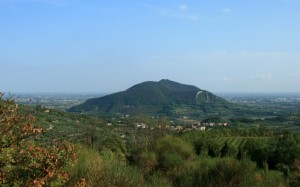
[[202, 126], [195, 126], [141, 125]]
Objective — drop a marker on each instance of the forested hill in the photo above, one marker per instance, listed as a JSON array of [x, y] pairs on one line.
[[163, 97]]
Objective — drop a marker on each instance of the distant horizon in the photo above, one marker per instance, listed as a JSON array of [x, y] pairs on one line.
[[107, 93], [91, 93], [112, 92], [104, 46]]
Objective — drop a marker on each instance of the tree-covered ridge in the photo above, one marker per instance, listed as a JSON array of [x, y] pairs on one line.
[[164, 97]]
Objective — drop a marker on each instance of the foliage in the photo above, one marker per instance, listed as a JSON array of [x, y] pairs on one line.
[[173, 152], [22, 161], [271, 178], [147, 161], [226, 172], [103, 169], [295, 180]]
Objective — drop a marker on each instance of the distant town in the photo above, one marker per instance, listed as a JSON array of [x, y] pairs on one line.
[[60, 101]]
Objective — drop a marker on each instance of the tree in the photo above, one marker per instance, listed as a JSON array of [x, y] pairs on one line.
[[213, 149], [225, 150], [22, 161], [91, 132], [287, 150]]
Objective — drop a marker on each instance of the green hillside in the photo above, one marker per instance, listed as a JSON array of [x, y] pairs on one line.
[[164, 97]]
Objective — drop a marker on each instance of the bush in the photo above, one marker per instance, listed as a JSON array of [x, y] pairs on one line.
[[271, 178], [22, 161], [296, 173], [103, 170], [173, 152], [147, 161], [89, 167], [158, 180], [226, 172]]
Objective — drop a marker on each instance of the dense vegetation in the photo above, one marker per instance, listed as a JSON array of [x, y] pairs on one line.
[[113, 151], [24, 162], [220, 157]]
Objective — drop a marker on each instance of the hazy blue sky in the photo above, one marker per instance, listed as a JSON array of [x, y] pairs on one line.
[[110, 45]]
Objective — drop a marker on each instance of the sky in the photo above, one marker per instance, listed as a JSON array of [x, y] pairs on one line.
[[111, 45]]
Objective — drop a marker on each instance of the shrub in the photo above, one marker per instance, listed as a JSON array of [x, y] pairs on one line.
[[158, 180], [22, 161], [229, 172], [89, 167], [296, 173], [103, 170], [173, 152], [147, 161]]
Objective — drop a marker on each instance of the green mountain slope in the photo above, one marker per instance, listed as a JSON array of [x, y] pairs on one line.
[[164, 97]]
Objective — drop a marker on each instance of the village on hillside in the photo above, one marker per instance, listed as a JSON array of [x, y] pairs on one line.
[[195, 126]]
